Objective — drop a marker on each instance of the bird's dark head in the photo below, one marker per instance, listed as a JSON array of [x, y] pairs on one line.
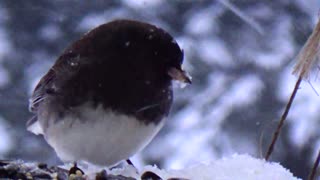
[[137, 47]]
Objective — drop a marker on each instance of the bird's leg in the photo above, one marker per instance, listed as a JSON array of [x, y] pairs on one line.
[[130, 163], [75, 170]]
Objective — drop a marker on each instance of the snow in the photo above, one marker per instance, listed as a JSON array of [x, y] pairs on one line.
[[235, 167], [229, 168]]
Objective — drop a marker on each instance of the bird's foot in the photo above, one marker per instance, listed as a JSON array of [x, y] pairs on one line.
[[129, 162], [75, 171]]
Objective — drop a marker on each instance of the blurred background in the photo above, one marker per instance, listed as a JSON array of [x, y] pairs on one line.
[[240, 54]]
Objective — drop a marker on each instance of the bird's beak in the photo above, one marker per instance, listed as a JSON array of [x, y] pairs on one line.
[[179, 75]]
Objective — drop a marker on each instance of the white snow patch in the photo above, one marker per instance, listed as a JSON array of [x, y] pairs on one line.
[[234, 167], [230, 168]]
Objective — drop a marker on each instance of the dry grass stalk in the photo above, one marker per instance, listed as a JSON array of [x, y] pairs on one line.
[[309, 54], [283, 118], [306, 58]]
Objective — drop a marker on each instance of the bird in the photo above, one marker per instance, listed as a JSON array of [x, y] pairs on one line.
[[109, 93]]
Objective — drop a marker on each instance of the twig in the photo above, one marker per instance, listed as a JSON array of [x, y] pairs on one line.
[[314, 168], [283, 118]]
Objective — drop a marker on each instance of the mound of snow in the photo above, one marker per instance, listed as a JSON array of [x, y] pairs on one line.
[[234, 167]]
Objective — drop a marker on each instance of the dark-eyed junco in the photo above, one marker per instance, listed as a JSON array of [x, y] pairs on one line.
[[109, 93]]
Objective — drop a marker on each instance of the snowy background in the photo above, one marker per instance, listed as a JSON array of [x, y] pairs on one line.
[[240, 54]]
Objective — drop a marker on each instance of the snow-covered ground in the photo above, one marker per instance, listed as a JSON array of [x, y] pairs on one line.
[[230, 168]]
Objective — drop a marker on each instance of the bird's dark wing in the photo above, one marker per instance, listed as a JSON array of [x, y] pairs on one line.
[[39, 94], [42, 90], [65, 67]]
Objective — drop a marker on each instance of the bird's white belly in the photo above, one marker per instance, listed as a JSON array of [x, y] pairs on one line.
[[100, 138]]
